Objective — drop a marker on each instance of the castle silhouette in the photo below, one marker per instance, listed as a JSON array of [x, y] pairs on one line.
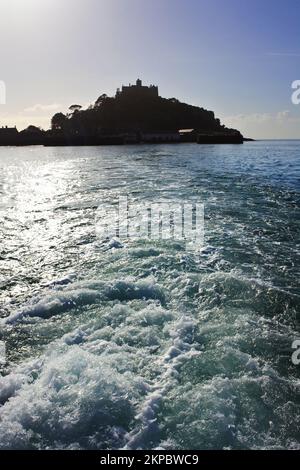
[[138, 90]]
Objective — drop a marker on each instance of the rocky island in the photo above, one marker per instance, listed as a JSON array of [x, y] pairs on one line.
[[136, 114]]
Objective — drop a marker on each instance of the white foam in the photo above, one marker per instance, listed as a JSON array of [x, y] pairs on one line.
[[74, 394], [87, 293], [181, 349]]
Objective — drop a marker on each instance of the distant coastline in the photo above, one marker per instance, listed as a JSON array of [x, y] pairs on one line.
[[136, 114]]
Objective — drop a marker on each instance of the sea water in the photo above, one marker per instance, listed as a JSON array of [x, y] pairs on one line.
[[139, 343]]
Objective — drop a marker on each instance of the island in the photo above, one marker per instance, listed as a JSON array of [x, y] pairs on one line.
[[137, 114]]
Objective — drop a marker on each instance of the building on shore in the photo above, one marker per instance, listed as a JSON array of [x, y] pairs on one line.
[[160, 137], [188, 135], [6, 131], [8, 135]]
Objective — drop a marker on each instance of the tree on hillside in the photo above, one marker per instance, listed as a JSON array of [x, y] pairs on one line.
[[33, 130], [100, 100], [74, 108], [58, 121]]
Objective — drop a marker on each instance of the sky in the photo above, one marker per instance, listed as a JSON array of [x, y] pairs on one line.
[[235, 57]]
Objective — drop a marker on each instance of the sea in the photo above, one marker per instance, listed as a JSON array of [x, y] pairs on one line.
[[141, 343]]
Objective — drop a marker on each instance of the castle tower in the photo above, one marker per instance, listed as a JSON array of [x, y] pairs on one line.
[[139, 82]]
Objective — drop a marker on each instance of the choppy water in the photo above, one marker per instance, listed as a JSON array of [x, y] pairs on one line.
[[142, 344]]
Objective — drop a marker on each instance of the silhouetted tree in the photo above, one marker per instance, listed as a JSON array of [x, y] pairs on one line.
[[32, 135], [75, 108], [58, 121], [100, 100], [33, 130]]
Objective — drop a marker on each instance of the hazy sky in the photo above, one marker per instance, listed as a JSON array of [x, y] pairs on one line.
[[236, 57]]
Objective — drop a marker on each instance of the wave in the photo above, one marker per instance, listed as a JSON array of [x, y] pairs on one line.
[[87, 293], [137, 378], [74, 399]]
